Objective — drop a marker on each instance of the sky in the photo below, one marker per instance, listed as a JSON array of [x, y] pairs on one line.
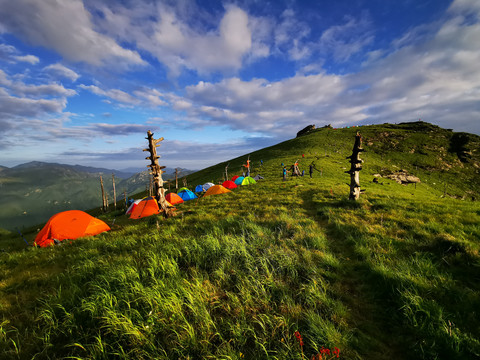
[[82, 81]]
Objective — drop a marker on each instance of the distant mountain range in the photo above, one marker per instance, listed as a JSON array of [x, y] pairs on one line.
[[34, 191]]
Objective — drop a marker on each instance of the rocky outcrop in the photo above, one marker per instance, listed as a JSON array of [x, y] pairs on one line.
[[306, 130], [403, 177]]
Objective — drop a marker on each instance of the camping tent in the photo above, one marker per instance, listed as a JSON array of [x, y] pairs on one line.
[[199, 188], [71, 225], [258, 177], [229, 185], [145, 207], [215, 190], [173, 198], [207, 186], [181, 189], [132, 206], [187, 195], [248, 181], [239, 180], [234, 177]]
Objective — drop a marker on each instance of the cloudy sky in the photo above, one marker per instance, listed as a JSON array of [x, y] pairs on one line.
[[81, 81]]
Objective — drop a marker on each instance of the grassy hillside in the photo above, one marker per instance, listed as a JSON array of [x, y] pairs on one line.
[[234, 276]]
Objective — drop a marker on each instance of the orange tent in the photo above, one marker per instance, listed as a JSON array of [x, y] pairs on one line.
[[71, 225], [146, 207], [216, 189], [173, 198]]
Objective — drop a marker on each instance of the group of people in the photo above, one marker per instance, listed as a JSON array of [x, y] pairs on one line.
[[296, 171]]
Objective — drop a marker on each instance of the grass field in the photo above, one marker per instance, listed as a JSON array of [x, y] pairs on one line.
[[395, 275]]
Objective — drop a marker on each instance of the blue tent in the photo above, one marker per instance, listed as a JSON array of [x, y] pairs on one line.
[[239, 180], [187, 195], [199, 188]]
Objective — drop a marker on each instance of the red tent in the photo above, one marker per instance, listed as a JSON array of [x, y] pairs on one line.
[[229, 185], [234, 178], [70, 225]]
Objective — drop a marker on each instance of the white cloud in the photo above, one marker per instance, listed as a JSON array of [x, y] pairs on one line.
[[66, 27], [62, 71], [145, 96], [44, 90], [31, 59], [343, 41], [433, 76]]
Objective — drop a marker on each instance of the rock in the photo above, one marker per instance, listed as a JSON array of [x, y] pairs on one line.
[[306, 130], [403, 177]]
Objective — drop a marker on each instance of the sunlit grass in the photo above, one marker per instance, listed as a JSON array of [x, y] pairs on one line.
[[233, 276]]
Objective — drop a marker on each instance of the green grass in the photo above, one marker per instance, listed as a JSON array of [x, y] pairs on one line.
[[233, 276]]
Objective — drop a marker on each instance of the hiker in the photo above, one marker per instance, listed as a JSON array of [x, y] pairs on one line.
[[247, 166], [311, 170], [303, 172], [285, 171], [261, 162]]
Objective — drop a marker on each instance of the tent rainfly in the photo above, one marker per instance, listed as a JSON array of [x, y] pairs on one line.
[[199, 188], [173, 198], [146, 207], [187, 195], [207, 186], [70, 225], [215, 190], [229, 185]]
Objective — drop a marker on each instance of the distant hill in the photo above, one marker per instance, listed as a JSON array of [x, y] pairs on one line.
[[34, 191]]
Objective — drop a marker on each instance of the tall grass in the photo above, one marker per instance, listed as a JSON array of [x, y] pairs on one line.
[[234, 276]]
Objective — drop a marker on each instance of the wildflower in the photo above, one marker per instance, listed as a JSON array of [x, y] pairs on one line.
[[299, 337], [336, 351]]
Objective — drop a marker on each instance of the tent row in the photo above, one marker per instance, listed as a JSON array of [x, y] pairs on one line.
[[72, 224]]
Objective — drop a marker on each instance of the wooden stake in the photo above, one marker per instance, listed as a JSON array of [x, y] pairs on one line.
[[114, 193], [103, 194]]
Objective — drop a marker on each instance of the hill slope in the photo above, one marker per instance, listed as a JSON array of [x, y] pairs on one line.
[[33, 192], [392, 276]]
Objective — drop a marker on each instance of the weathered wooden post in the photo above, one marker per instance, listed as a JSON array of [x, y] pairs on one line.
[[104, 206], [176, 178], [226, 172], [157, 173], [356, 166], [114, 193]]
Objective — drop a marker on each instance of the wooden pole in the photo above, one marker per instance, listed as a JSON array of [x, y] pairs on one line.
[[176, 179], [157, 173], [103, 193], [356, 166], [226, 172], [114, 193]]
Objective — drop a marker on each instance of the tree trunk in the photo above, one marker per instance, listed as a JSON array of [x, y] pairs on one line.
[[356, 166], [157, 173]]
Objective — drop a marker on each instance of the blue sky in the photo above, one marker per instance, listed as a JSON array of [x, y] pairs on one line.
[[81, 82]]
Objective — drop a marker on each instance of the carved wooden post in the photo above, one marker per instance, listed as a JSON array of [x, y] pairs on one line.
[[356, 166], [114, 193], [157, 173]]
